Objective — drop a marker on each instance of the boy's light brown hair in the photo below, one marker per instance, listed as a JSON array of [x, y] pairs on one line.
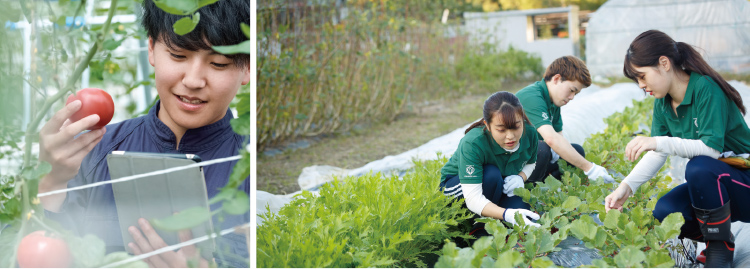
[[570, 68]]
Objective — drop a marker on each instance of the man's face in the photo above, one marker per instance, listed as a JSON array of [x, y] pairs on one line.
[[561, 92], [195, 87]]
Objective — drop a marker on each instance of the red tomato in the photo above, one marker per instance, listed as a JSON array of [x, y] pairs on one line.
[[93, 101], [39, 251]]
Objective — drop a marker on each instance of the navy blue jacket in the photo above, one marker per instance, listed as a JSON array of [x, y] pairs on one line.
[[92, 210]]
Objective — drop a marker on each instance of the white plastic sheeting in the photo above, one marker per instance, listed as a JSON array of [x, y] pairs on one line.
[[721, 28]]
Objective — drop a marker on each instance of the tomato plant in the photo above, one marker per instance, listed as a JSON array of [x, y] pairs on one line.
[[93, 101], [39, 250]]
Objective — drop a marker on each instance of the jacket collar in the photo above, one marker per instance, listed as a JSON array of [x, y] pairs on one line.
[[194, 140]]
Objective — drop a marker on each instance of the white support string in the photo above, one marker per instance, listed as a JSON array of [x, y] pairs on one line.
[[172, 247], [128, 178]]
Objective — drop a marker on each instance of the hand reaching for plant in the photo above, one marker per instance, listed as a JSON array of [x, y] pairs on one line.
[[617, 198], [597, 172], [509, 216]]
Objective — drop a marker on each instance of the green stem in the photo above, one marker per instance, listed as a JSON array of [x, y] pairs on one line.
[[613, 239], [44, 225], [31, 129], [22, 231]]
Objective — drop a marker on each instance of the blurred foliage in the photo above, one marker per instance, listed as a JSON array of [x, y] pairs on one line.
[[325, 68]]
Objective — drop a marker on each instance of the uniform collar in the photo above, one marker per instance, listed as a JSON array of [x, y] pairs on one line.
[[686, 100], [545, 92], [194, 140], [694, 77]]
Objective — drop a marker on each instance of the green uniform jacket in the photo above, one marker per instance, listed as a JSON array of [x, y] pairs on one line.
[[478, 148], [538, 106], [707, 114]]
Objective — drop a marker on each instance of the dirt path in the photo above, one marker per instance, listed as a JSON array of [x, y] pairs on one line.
[[278, 174]]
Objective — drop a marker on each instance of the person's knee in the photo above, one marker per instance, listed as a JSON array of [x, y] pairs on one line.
[[698, 169], [579, 149], [544, 153], [492, 179], [662, 210]]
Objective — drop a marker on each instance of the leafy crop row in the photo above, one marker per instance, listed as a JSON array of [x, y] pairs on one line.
[[378, 221], [369, 221]]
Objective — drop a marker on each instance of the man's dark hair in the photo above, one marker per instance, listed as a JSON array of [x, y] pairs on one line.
[[219, 26]]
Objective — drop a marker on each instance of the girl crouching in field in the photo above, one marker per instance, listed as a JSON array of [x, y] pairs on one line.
[[495, 156]]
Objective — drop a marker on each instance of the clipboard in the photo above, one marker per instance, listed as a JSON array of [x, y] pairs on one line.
[[158, 196]]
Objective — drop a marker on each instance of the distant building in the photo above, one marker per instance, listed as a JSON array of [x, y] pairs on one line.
[[547, 32]]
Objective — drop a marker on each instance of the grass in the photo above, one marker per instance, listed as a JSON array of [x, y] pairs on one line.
[[278, 174]]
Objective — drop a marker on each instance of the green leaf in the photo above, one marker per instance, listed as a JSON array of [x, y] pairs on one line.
[[553, 183], [237, 206], [610, 221], [224, 194], [507, 259], [185, 219], [241, 124], [177, 7], [63, 3], [240, 172], [583, 230], [111, 44], [87, 251], [186, 24], [659, 259], [245, 29], [543, 262], [243, 47], [600, 238], [119, 256], [630, 256], [37, 172], [60, 21], [571, 203], [670, 227], [523, 193]]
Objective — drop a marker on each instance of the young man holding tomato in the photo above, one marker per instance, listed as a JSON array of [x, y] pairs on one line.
[[195, 85]]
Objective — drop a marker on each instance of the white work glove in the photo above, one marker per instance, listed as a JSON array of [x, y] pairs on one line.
[[510, 213], [511, 183], [597, 172], [555, 157]]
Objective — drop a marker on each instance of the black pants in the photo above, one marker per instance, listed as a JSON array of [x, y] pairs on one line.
[[543, 166], [710, 184]]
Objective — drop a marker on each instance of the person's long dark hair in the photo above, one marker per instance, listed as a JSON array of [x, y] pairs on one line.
[[646, 49], [506, 105]]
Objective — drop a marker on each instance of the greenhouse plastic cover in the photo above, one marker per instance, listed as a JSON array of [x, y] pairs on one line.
[[582, 117], [720, 29]]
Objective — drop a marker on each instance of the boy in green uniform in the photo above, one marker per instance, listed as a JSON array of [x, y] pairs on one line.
[[697, 115], [541, 101], [493, 159]]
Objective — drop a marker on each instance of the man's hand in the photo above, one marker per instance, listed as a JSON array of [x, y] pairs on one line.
[[617, 198], [596, 172], [638, 145], [60, 148], [150, 241], [510, 213]]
